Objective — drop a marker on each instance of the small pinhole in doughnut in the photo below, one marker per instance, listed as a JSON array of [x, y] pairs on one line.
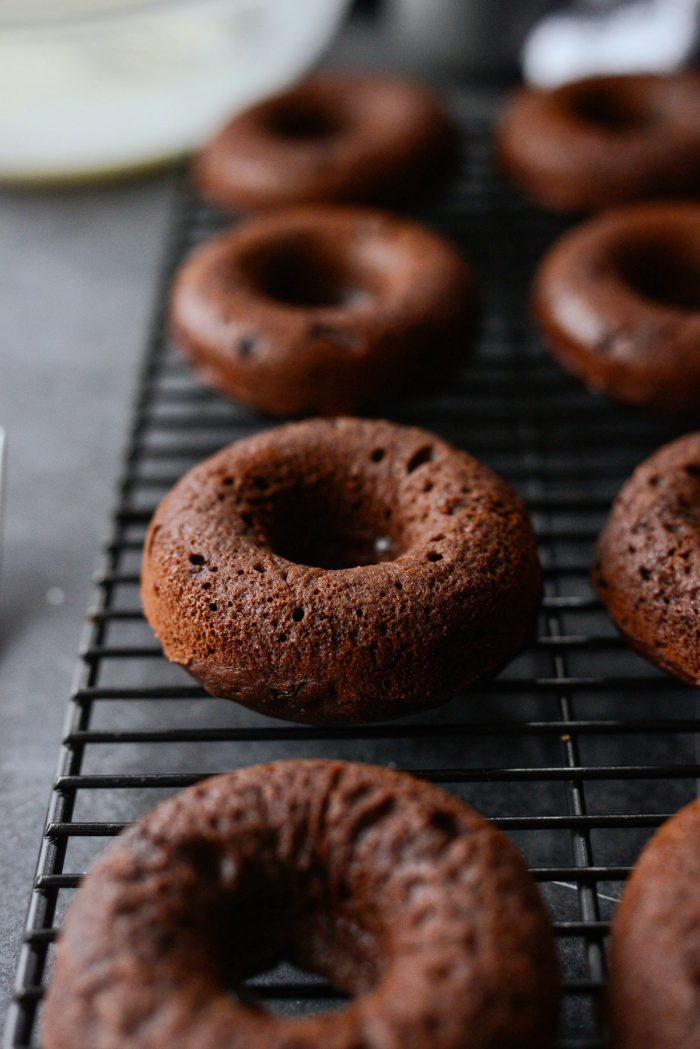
[[257, 567], [246, 348], [445, 822], [206, 586], [428, 486], [423, 455], [213, 568], [434, 556], [377, 455], [298, 615], [645, 573], [398, 585], [213, 607], [228, 481], [197, 559], [281, 638]]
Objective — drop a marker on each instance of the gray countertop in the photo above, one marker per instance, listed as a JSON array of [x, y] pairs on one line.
[[78, 277]]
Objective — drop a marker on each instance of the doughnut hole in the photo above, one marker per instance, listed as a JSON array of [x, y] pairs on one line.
[[664, 271], [610, 108], [333, 524], [308, 272], [303, 120], [269, 916]]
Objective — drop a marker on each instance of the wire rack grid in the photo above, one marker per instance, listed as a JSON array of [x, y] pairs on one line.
[[578, 750]]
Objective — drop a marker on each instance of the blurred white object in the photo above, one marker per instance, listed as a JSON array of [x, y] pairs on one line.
[[653, 36], [93, 87], [481, 37]]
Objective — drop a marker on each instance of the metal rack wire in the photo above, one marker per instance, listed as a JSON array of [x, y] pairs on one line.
[[578, 750]]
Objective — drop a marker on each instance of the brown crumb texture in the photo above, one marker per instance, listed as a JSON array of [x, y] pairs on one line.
[[340, 137], [655, 950], [360, 570], [647, 570], [617, 299], [399, 894], [322, 310], [605, 140]]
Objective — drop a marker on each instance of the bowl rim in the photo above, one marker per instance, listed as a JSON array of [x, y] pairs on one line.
[[40, 16]]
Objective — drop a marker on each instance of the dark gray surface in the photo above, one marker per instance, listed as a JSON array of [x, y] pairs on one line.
[[77, 285]]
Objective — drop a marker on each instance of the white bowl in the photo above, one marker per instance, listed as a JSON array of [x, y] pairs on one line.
[[96, 87]]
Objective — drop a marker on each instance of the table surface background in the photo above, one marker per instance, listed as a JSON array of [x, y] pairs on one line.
[[76, 289]]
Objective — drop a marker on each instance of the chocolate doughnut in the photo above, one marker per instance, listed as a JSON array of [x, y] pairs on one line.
[[655, 946], [648, 562], [398, 893], [340, 571], [368, 139], [323, 310], [618, 302], [605, 140]]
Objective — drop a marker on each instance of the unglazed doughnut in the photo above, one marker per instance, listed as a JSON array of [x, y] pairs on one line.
[[366, 139], [340, 571], [648, 563], [398, 893], [654, 990], [605, 140], [323, 310], [618, 302]]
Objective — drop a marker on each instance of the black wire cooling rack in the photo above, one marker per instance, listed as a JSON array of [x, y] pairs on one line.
[[578, 750]]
